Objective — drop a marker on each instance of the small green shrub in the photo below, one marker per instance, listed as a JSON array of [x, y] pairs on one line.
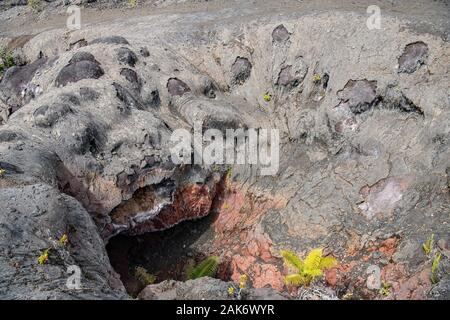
[[267, 97], [435, 266], [64, 240], [206, 268], [427, 246], [6, 60], [317, 78], [229, 173], [43, 258], [307, 270], [132, 3], [143, 276], [35, 5], [385, 289], [237, 292]]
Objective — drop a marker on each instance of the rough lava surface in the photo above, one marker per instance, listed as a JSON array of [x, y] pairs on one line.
[[364, 120]]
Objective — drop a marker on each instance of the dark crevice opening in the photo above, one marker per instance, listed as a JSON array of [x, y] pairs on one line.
[[166, 254]]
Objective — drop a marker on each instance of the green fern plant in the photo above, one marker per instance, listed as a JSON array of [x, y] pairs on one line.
[[427, 246], [206, 268], [306, 270], [435, 266]]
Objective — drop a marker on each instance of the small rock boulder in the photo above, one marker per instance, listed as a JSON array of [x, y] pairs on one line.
[[412, 57], [360, 95], [77, 71], [111, 40], [132, 77], [177, 87], [240, 70], [280, 34], [126, 56], [16, 88], [82, 56]]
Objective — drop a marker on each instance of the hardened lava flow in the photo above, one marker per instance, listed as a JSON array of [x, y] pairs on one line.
[[86, 119]]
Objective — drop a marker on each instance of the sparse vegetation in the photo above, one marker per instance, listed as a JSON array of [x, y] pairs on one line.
[[435, 255], [43, 258], [385, 289], [132, 3], [64, 240], [435, 266], [317, 78], [267, 97], [143, 276], [306, 270], [243, 281], [228, 178], [2, 172], [237, 292], [206, 268], [35, 5], [6, 60], [427, 246], [229, 173]]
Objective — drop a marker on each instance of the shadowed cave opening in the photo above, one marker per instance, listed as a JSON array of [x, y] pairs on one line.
[[164, 254]]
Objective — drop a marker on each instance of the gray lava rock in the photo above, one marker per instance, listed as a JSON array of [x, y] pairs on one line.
[[240, 70], [32, 219], [132, 77], [144, 52], [88, 94], [126, 56], [359, 173], [201, 289], [292, 76], [395, 99], [8, 136], [280, 34], [16, 82], [83, 56], [110, 40], [151, 98], [359, 94], [78, 71], [413, 57], [442, 290], [177, 87], [46, 116], [127, 98]]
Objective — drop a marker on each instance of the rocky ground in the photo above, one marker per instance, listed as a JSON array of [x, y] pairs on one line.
[[86, 118]]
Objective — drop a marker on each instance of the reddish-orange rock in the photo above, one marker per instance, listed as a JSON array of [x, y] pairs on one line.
[[267, 274], [331, 277]]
